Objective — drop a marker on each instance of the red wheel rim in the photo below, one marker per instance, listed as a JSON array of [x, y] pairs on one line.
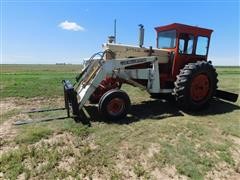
[[199, 87], [115, 106]]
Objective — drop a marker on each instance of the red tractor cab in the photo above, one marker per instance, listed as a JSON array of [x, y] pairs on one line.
[[187, 72], [186, 43]]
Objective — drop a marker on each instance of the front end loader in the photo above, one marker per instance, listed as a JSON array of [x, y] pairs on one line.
[[177, 67]]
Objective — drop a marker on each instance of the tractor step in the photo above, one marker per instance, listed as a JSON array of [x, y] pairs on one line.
[[226, 95]]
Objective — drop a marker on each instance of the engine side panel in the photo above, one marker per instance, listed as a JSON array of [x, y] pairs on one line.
[[127, 51]]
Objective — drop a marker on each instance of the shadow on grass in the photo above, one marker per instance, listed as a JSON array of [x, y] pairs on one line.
[[159, 109], [217, 106], [155, 109]]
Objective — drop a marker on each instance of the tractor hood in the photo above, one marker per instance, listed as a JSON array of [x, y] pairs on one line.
[[120, 51]]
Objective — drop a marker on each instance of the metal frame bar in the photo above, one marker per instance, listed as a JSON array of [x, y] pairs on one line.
[[44, 110], [28, 121], [116, 68]]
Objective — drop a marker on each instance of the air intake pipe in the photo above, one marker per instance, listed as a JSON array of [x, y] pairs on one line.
[[141, 35]]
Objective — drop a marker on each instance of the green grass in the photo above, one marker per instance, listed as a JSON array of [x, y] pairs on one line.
[[139, 170], [11, 162], [32, 134], [35, 80], [156, 134]]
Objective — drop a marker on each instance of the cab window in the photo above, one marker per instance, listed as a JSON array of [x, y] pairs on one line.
[[167, 39], [185, 45], [202, 46]]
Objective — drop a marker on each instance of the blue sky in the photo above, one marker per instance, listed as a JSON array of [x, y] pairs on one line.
[[32, 34]]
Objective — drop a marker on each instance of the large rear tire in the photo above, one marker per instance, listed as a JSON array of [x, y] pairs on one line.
[[195, 86], [114, 104]]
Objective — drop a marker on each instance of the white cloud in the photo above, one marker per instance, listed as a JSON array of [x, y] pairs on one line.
[[71, 26]]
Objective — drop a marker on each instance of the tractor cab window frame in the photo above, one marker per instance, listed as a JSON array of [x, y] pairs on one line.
[[186, 43], [202, 45], [166, 39]]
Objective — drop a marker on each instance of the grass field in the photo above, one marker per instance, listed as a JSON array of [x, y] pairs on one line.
[[155, 141]]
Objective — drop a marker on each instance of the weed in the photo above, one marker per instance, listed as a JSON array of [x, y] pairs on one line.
[[138, 170], [33, 133], [11, 162]]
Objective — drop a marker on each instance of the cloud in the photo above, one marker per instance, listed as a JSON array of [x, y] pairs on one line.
[[71, 26]]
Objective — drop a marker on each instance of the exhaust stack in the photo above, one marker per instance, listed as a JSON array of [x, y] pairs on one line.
[[141, 35], [113, 39]]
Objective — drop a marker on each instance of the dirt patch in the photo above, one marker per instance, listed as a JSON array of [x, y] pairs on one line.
[[70, 148], [123, 165], [58, 140], [124, 162], [39, 102], [66, 163], [235, 151], [166, 173], [7, 130], [6, 106], [236, 140], [223, 171], [61, 143], [153, 149], [22, 176]]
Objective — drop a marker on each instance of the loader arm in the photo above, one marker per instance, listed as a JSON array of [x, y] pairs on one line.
[[116, 68], [99, 69]]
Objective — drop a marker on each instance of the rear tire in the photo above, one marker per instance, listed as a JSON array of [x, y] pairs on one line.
[[195, 86], [114, 104]]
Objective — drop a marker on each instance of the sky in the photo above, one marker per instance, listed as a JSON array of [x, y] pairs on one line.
[[57, 31]]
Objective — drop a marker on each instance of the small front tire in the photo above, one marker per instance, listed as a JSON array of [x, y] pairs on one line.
[[114, 104]]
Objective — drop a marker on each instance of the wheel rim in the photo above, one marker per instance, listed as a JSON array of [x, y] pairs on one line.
[[200, 87], [115, 106]]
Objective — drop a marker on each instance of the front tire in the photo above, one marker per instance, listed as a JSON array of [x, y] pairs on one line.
[[195, 86], [114, 104]]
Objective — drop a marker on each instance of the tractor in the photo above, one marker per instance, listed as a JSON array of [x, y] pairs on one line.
[[177, 68]]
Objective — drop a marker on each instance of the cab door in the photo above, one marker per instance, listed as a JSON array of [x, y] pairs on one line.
[[189, 49], [185, 51]]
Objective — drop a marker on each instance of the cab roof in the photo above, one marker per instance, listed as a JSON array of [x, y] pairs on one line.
[[183, 28]]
